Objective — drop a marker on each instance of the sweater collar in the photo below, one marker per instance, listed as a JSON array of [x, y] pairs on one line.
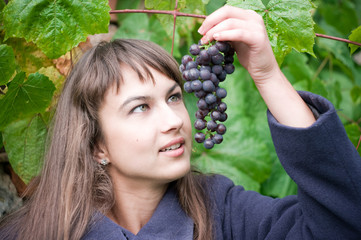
[[169, 221]]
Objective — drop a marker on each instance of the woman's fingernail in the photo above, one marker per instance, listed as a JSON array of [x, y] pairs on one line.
[[200, 30]]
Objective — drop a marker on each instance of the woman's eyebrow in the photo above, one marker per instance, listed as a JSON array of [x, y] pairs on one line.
[[145, 98], [172, 88], [135, 98]]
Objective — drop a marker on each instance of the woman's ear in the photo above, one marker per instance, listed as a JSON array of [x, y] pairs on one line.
[[101, 154]]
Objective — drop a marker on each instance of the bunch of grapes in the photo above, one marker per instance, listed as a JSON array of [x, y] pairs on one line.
[[202, 75]]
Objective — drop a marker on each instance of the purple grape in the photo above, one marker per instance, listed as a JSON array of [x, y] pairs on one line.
[[200, 124], [201, 114], [217, 59], [214, 79], [222, 76], [199, 137], [200, 94], [191, 65], [217, 69], [193, 74], [217, 138], [202, 105], [196, 85], [229, 68], [222, 107], [212, 125], [221, 92], [224, 117], [230, 51], [182, 68], [210, 98], [204, 57], [194, 49], [221, 129], [208, 86], [222, 46], [212, 106], [205, 67], [228, 59], [208, 143], [215, 115], [185, 75], [187, 87], [186, 59], [204, 74], [213, 50]]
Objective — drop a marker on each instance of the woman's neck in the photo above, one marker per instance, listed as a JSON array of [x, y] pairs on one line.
[[135, 206]]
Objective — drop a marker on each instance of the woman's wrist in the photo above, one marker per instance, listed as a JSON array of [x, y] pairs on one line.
[[284, 102]]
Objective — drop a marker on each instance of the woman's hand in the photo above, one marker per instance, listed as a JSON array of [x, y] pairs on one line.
[[247, 32]]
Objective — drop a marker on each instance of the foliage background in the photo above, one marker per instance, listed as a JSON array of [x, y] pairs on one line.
[[38, 48]]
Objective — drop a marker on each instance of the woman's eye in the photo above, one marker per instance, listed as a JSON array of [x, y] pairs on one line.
[[140, 108], [175, 98]]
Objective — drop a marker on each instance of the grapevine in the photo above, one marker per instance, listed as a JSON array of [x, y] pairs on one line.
[[202, 75]]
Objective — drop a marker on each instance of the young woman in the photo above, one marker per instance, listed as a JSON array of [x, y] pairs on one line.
[[118, 163]]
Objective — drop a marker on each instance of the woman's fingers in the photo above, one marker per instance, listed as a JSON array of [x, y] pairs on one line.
[[247, 33], [235, 30], [225, 13]]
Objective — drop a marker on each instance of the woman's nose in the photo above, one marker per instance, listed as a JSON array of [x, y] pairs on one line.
[[170, 119]]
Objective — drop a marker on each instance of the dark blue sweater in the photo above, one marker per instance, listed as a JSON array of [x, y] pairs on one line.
[[320, 159]]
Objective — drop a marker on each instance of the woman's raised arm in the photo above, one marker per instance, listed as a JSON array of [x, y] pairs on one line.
[[246, 31]]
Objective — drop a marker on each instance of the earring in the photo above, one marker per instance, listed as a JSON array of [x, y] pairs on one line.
[[104, 162]]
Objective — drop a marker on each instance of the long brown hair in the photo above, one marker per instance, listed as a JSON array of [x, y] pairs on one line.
[[72, 185]]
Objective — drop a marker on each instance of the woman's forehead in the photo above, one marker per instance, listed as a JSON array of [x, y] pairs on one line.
[[132, 81]]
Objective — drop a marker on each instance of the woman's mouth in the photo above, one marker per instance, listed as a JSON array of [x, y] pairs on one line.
[[175, 146]]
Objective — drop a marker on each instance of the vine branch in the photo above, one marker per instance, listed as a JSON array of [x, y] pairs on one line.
[[338, 39], [176, 13], [174, 22], [173, 12]]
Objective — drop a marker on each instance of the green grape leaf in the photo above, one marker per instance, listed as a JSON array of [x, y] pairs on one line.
[[55, 26], [135, 25], [279, 184], [1, 140], [7, 63], [28, 56], [185, 25], [356, 94], [213, 5], [354, 133], [53, 74], [25, 98], [24, 142], [289, 24], [318, 87], [134, 4], [337, 48], [297, 68], [355, 37], [215, 164], [2, 5], [342, 15]]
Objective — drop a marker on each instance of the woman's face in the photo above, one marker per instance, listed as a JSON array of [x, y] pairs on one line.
[[147, 130]]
